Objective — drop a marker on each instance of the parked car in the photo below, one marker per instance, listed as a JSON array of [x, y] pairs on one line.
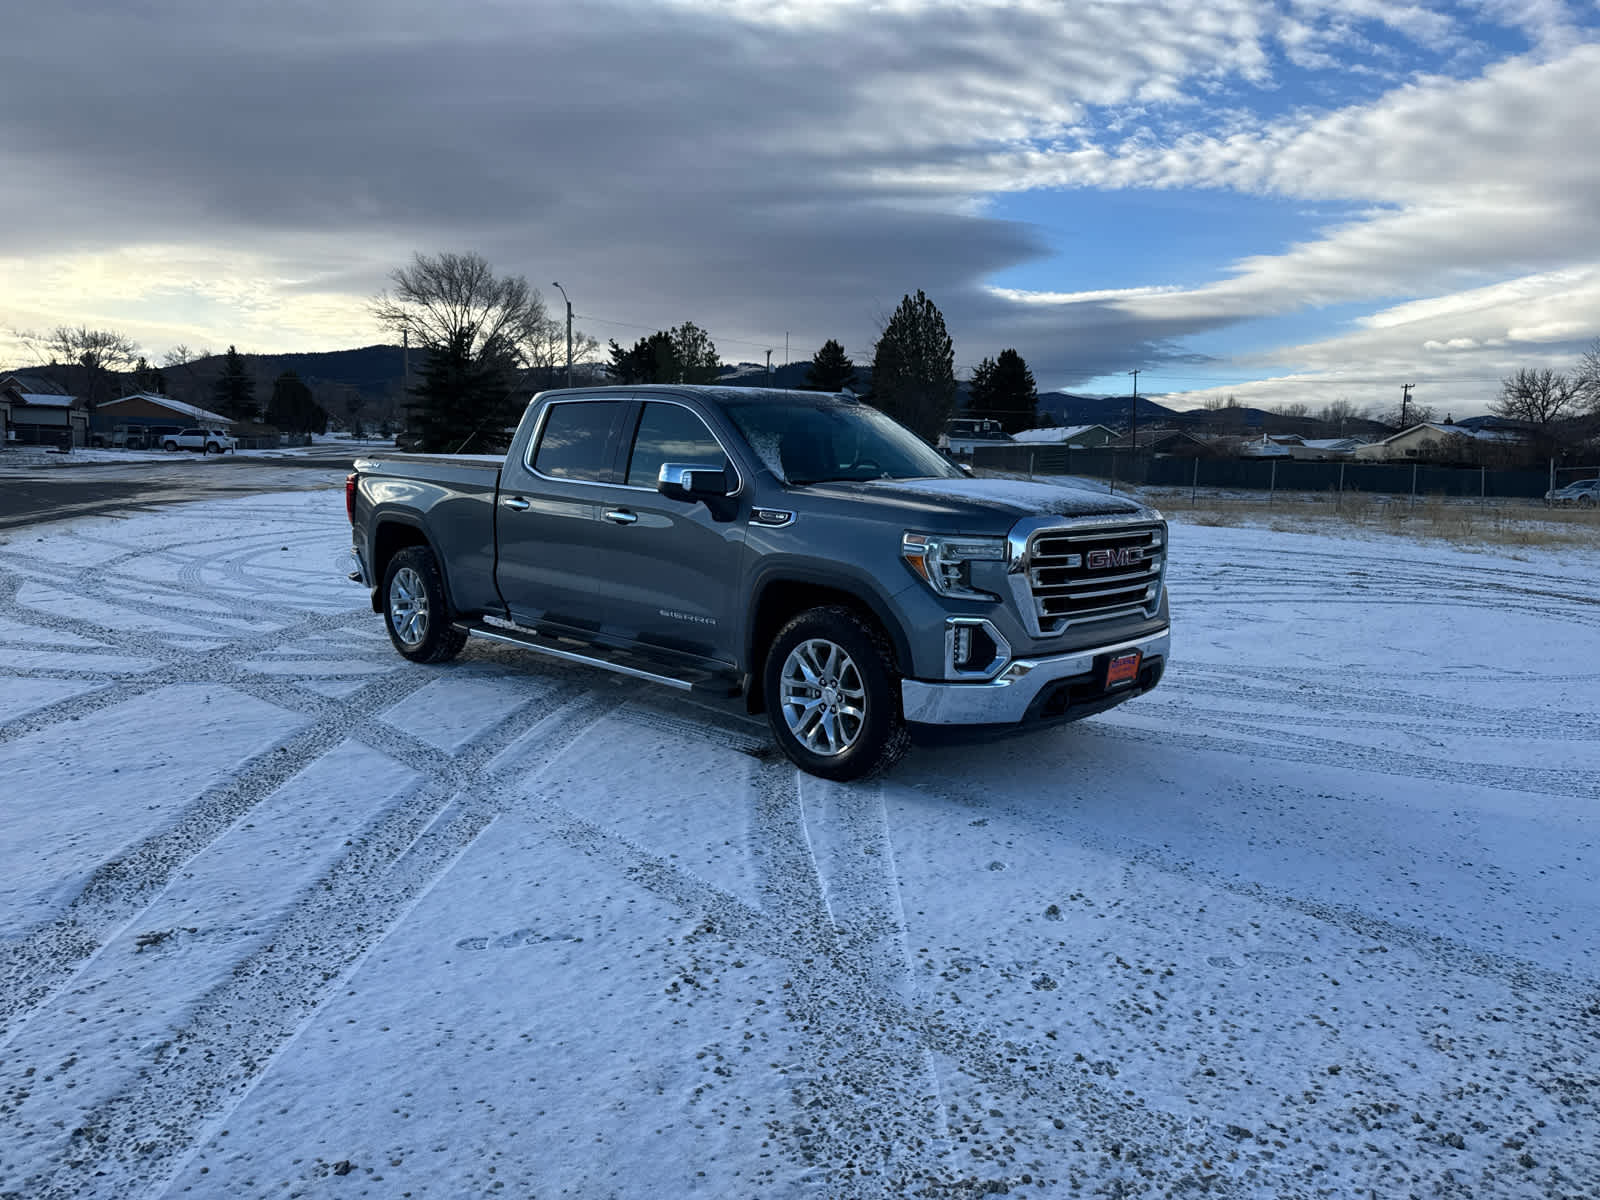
[[207, 441], [795, 553], [1585, 493]]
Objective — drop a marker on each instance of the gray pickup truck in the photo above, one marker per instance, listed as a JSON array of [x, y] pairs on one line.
[[795, 553]]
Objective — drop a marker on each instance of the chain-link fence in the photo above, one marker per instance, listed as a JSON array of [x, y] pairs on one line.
[[1279, 474]]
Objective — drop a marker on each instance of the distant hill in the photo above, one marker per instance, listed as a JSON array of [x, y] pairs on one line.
[[372, 370], [1110, 411]]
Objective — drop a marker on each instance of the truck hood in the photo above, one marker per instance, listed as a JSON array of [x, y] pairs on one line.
[[1005, 497]]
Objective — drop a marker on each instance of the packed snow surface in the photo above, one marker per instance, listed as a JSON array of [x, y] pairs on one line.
[[283, 914]]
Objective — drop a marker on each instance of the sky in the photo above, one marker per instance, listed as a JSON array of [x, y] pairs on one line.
[[1289, 202]]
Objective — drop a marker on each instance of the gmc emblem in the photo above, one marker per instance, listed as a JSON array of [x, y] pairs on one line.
[[1097, 560]]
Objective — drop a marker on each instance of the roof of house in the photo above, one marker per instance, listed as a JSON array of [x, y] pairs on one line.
[[46, 399], [1466, 431], [1064, 434], [34, 385], [192, 412]]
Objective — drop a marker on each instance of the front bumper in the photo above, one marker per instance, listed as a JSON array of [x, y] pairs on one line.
[[1059, 686]]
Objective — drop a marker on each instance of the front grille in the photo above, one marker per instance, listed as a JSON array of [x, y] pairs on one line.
[[1094, 574]]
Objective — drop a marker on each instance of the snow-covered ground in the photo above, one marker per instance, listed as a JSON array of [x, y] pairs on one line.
[[34, 457], [282, 914]]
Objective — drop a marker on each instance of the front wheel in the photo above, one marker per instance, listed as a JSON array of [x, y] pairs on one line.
[[1585, 501], [415, 611], [169, 446], [833, 695]]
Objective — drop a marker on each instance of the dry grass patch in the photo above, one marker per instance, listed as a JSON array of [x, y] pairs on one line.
[[1463, 522]]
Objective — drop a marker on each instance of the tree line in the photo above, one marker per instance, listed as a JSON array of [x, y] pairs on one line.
[[102, 364], [483, 334]]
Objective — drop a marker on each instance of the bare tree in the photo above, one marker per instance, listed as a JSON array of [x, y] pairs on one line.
[[444, 300], [179, 362], [546, 349], [100, 353], [1536, 397], [1587, 378], [1412, 413], [1337, 412]]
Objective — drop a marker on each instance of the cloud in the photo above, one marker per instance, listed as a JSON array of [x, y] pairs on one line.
[[217, 173]]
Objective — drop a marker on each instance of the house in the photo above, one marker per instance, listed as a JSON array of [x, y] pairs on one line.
[[963, 435], [1164, 443], [1074, 437], [39, 412], [146, 409], [1433, 442], [1301, 449]]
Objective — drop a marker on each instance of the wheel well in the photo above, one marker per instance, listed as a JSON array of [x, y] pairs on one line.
[[780, 601], [389, 539]]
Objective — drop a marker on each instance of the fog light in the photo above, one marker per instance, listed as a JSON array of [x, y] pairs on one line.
[[962, 654]]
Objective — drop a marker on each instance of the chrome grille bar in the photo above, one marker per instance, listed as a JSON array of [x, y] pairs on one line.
[[1095, 574]]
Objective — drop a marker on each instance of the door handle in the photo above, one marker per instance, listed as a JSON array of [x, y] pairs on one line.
[[621, 516], [517, 503]]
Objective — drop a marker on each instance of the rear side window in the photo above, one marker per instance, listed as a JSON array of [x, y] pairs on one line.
[[576, 440], [670, 433]]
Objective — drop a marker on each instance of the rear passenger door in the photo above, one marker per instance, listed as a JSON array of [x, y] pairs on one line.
[[548, 511], [666, 570]]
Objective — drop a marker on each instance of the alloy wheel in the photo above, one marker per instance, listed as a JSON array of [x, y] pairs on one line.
[[408, 607], [823, 698]]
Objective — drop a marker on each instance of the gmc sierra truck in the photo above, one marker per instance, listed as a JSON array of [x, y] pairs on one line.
[[795, 553]]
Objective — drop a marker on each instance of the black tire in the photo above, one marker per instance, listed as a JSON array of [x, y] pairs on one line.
[[169, 446], [814, 718], [1585, 501], [415, 610]]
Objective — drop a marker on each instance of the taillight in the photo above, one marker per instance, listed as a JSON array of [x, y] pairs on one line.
[[350, 496]]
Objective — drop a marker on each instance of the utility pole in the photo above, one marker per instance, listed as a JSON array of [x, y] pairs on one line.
[[1133, 415], [563, 292], [769, 368], [1405, 402]]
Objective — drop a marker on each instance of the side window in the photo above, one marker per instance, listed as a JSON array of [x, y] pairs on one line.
[[576, 440], [670, 433]]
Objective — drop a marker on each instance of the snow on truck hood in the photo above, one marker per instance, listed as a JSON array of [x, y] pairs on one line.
[[1018, 497]]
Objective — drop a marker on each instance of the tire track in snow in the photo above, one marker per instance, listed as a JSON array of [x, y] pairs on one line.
[[136, 1140]]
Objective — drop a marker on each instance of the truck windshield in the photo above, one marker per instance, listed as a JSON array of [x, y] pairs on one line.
[[806, 441]]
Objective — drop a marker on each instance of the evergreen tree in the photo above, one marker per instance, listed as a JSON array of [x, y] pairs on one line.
[[682, 355], [148, 379], [1004, 389], [462, 401], [651, 360], [831, 369], [234, 393], [293, 409], [697, 360], [913, 368]]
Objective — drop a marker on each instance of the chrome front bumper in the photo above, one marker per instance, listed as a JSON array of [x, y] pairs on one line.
[[1006, 699]]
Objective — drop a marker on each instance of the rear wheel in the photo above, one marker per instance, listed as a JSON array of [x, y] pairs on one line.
[[415, 610], [833, 695]]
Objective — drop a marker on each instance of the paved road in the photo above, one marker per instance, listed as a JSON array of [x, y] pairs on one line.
[[35, 495]]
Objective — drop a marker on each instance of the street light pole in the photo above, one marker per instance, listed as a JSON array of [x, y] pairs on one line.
[[563, 292]]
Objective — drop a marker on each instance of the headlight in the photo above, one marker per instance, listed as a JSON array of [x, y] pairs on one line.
[[945, 563]]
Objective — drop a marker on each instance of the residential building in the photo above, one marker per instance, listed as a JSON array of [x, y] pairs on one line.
[[1074, 437], [37, 411]]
